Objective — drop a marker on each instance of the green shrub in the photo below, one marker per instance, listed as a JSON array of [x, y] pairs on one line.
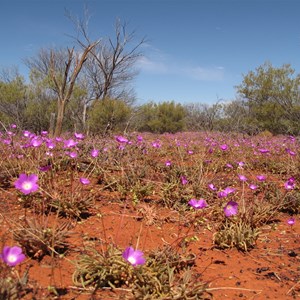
[[162, 117], [108, 115]]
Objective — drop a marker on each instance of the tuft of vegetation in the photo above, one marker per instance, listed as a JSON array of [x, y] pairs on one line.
[[238, 235], [166, 274], [12, 285], [39, 239]]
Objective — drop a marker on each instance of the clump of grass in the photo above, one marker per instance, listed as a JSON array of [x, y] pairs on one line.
[[106, 269], [240, 235], [12, 287], [130, 181], [165, 275], [39, 239], [291, 202], [76, 206], [175, 196]]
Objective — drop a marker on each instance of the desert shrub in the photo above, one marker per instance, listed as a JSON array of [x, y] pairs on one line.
[[162, 117], [108, 115]]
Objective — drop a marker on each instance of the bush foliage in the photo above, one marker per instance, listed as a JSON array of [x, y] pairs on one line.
[[268, 99]]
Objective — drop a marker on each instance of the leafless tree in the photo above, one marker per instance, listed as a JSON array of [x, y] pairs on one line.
[[110, 65], [59, 69], [201, 116]]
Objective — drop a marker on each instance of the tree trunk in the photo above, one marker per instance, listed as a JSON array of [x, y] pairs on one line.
[[52, 123], [84, 116], [60, 117]]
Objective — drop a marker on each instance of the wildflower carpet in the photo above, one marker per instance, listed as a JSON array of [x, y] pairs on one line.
[[184, 216]]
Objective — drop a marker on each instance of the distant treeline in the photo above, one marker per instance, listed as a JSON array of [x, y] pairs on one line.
[[268, 99]]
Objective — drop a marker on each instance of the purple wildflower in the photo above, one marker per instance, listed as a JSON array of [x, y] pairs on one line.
[[27, 184], [156, 144], [229, 190], [72, 154], [6, 142], [12, 255], [263, 150], [222, 194], [261, 177], [291, 221], [121, 139], [198, 204], [252, 186], [183, 180], [224, 147], [290, 184], [168, 163], [292, 138], [241, 164], [70, 143], [231, 209], [242, 177], [36, 142], [79, 136], [84, 181], [292, 179], [212, 187], [45, 168], [50, 145], [226, 192], [94, 153], [26, 133], [290, 152], [134, 257]]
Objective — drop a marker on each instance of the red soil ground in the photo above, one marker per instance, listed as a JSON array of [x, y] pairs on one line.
[[269, 271]]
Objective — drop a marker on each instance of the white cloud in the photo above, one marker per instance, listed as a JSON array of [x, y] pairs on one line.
[[148, 65], [193, 72], [205, 74], [28, 47], [158, 62]]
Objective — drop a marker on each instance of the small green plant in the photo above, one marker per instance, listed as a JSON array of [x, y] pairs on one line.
[[291, 202], [76, 206], [39, 239], [175, 196], [106, 269], [166, 274], [11, 286], [240, 235]]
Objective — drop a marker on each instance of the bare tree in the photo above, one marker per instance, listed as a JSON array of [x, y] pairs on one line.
[[59, 69], [110, 65], [201, 116]]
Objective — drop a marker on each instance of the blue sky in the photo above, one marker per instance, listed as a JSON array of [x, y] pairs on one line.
[[197, 50]]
